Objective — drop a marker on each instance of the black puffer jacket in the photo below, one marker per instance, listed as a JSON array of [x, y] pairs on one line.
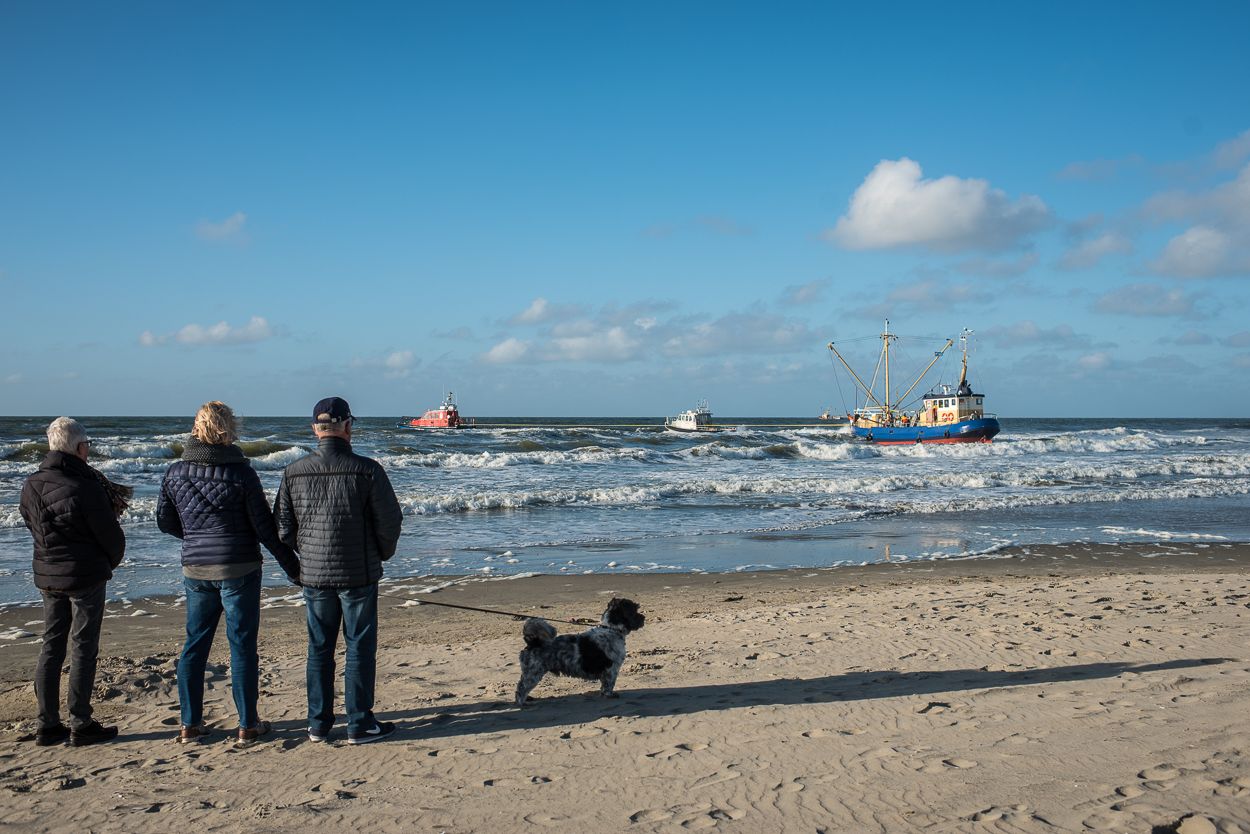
[[338, 510], [78, 540], [212, 500]]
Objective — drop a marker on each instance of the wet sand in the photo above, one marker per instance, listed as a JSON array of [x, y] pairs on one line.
[[1080, 687]]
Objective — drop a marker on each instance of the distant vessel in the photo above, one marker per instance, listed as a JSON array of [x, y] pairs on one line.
[[446, 416], [698, 418], [947, 414]]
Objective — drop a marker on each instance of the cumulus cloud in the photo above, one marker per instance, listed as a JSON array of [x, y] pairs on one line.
[[928, 294], [1098, 169], [1217, 240], [1088, 253], [1148, 300], [798, 294], [1030, 333], [1233, 152], [998, 267], [232, 228], [257, 329], [896, 207], [506, 352], [751, 332], [1238, 340], [541, 310]]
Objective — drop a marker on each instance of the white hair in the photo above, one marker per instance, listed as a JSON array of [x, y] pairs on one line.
[[64, 435]]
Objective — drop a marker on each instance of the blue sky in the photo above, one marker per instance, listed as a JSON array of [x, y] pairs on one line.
[[584, 209]]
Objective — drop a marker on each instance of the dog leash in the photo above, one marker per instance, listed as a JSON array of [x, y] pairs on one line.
[[582, 622]]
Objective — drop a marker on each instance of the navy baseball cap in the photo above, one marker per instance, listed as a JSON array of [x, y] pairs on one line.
[[332, 411]]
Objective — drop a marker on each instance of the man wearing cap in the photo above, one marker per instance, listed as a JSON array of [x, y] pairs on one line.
[[338, 511]]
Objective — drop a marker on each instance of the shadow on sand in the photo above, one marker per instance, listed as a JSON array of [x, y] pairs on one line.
[[498, 716]]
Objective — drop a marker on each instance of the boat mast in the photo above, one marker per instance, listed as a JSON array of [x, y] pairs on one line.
[[937, 354], [885, 339], [854, 375], [963, 343]]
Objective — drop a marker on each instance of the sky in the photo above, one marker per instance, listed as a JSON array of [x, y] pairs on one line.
[[591, 209]]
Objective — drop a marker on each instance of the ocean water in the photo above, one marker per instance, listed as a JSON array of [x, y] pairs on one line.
[[609, 495]]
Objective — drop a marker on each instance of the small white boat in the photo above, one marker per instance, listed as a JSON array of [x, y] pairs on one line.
[[698, 418]]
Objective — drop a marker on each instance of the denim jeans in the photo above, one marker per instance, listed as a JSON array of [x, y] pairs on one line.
[[206, 599], [67, 614], [356, 610]]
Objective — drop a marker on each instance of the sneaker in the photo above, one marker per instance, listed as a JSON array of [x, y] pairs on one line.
[[194, 733], [247, 735], [380, 729], [318, 736], [48, 736], [92, 733]]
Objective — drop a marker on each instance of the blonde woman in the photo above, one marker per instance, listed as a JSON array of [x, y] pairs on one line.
[[212, 500]]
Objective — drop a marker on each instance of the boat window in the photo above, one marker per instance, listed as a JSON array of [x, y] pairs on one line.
[[978, 400]]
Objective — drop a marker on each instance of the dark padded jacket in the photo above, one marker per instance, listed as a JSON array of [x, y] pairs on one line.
[[212, 500], [338, 510], [78, 540]]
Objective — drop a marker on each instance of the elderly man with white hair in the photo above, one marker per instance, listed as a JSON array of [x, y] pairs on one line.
[[72, 516]]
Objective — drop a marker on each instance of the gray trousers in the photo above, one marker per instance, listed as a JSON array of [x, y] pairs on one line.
[[69, 617]]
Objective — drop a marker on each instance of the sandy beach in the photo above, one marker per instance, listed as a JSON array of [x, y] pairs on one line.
[[1059, 689]]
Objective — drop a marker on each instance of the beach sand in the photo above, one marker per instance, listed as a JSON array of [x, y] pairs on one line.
[[1060, 689]]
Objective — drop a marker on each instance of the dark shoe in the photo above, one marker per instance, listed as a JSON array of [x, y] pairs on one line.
[[93, 733], [48, 736], [194, 733], [380, 729], [247, 735]]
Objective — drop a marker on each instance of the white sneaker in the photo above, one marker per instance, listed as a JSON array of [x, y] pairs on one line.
[[314, 736]]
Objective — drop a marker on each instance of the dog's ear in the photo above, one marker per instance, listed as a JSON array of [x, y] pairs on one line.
[[624, 612]]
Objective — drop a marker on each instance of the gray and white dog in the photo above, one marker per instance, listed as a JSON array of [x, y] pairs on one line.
[[596, 654]]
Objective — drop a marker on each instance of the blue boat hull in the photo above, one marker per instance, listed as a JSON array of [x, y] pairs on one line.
[[966, 431]]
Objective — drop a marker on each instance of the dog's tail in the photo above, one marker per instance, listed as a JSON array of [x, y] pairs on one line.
[[537, 631]]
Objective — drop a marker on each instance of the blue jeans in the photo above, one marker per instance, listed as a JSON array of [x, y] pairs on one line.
[[206, 599], [356, 610]]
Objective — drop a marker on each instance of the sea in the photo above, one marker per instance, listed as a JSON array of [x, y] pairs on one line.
[[515, 497]]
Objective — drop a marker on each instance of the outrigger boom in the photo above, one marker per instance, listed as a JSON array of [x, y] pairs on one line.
[[946, 415]]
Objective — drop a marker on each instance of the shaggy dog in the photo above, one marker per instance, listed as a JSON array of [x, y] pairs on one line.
[[596, 654]]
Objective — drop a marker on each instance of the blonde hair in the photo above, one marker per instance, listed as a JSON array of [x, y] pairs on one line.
[[215, 424]]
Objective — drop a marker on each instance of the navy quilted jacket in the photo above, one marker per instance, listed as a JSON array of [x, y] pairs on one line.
[[212, 500], [339, 511], [78, 540]]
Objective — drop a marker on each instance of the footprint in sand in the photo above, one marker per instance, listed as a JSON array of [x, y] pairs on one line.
[[1159, 773], [677, 750], [583, 732]]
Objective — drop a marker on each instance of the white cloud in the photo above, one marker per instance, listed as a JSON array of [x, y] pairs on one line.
[[1147, 300], [1029, 332], [896, 207], [616, 344], [1199, 252], [13, 379], [257, 329], [541, 310], [229, 229], [1094, 361], [799, 294], [1088, 253], [998, 267], [508, 351], [752, 332], [1240, 339], [926, 295], [1232, 153], [1217, 241]]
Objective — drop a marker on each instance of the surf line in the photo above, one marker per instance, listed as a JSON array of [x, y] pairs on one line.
[[512, 614]]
